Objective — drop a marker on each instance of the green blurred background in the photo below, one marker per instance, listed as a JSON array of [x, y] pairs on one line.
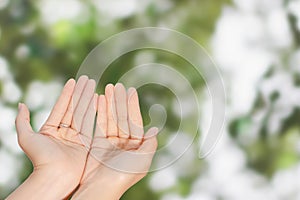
[[254, 43]]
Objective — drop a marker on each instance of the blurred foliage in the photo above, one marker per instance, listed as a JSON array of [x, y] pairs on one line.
[[36, 50], [273, 151], [56, 51]]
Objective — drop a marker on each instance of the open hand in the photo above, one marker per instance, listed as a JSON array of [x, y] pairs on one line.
[[120, 153], [61, 147]]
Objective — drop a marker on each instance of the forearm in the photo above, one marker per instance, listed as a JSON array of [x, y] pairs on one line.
[[42, 184], [98, 192], [103, 187]]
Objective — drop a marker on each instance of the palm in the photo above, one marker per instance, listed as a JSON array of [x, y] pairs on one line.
[[58, 153], [119, 144], [61, 147]]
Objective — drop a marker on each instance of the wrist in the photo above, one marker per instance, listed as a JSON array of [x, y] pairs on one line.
[[44, 184], [104, 184], [112, 178], [64, 176]]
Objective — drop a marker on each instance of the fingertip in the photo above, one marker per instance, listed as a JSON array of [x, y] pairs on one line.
[[119, 86], [71, 81], [23, 111], [131, 90], [152, 132], [120, 91], [131, 93], [24, 106], [20, 106], [109, 88], [93, 81], [154, 129], [70, 84], [83, 77], [82, 80]]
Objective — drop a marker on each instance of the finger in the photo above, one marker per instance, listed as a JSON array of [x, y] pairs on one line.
[[135, 120], [61, 105], [23, 123], [101, 126], [89, 118], [81, 83], [112, 129], [121, 107], [83, 105], [149, 144]]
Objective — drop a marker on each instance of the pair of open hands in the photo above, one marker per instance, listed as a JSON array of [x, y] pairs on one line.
[[90, 147]]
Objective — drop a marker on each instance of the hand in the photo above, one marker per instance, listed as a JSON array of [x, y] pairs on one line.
[[120, 153], [59, 150]]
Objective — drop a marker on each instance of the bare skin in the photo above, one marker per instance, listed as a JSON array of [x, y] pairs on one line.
[[58, 153], [120, 154], [65, 155]]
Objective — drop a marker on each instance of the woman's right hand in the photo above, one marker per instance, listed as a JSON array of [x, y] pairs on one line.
[[59, 150]]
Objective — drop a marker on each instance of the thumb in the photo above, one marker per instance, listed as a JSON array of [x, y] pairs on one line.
[[23, 123], [149, 144]]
